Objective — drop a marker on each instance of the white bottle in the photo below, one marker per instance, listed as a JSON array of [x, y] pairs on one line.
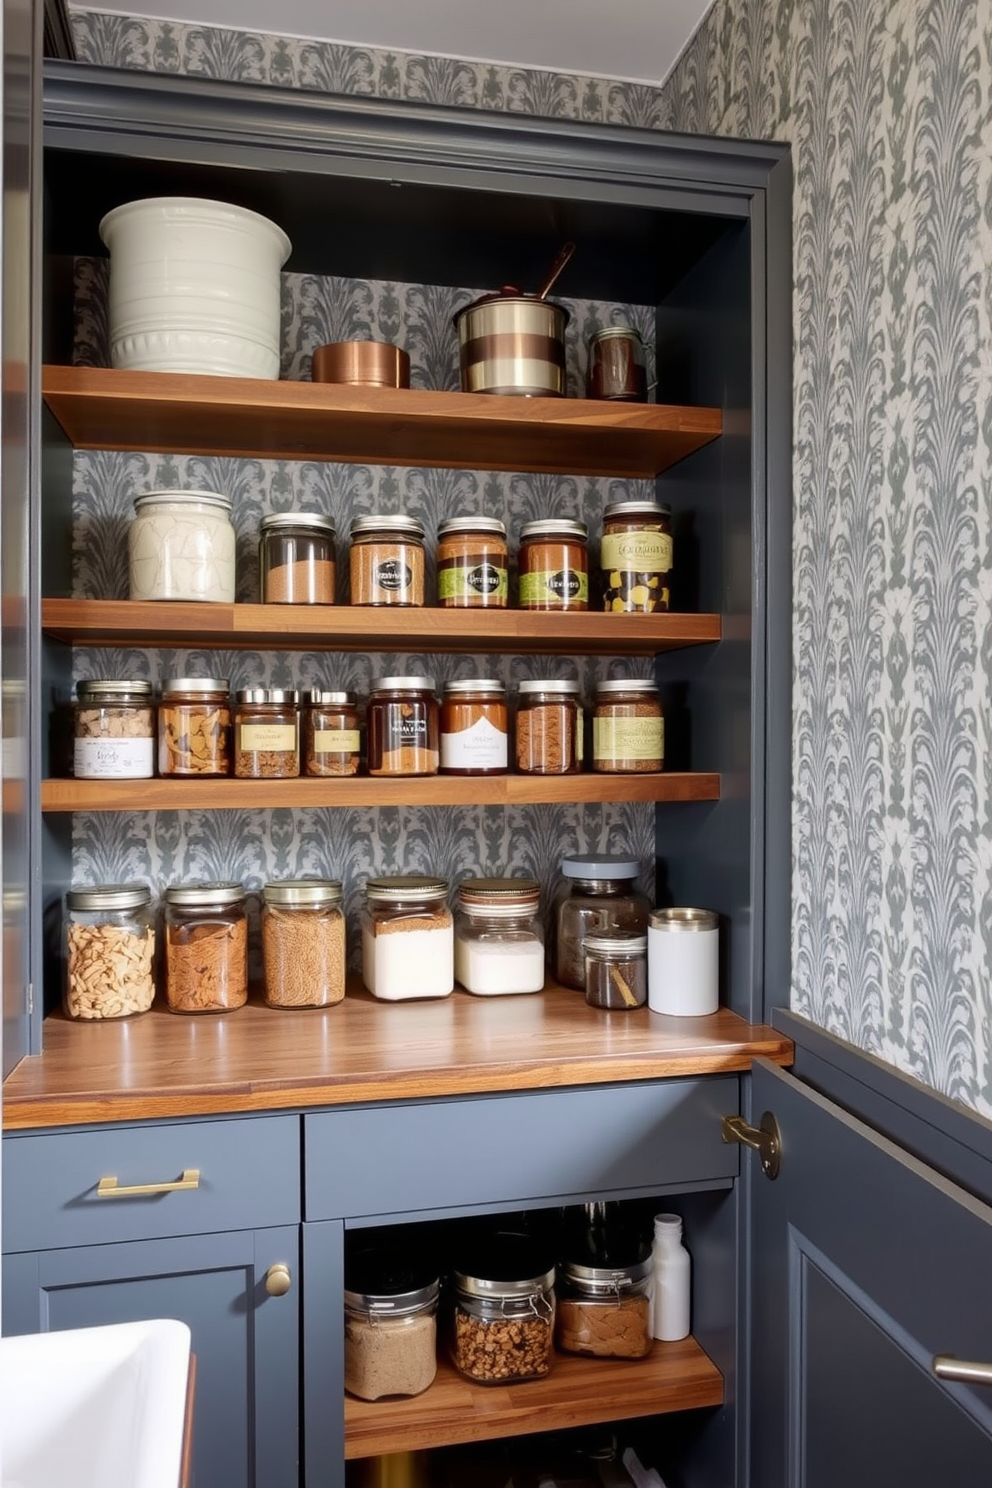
[[670, 1279]]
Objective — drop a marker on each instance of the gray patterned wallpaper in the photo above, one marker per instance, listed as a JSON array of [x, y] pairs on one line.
[[888, 105]]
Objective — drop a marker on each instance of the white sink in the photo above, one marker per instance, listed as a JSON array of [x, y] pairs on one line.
[[94, 1407]]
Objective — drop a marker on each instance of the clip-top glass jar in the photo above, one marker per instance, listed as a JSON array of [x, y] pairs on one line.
[[266, 733], [390, 1324], [114, 731], [206, 947], [504, 1313], [553, 563], [604, 1303], [499, 938], [303, 943], [181, 545], [407, 940], [109, 951], [194, 727], [549, 727], [296, 559], [635, 557], [386, 563], [331, 741], [472, 563], [600, 896]]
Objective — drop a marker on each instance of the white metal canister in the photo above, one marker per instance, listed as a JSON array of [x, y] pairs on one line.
[[683, 962], [181, 545]]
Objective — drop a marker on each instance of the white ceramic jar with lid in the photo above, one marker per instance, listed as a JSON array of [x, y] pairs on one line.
[[181, 545], [407, 939], [684, 962], [499, 939]]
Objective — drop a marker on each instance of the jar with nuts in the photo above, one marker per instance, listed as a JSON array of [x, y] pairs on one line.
[[504, 1313], [109, 952]]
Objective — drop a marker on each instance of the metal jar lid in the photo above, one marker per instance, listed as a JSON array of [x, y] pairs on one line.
[[616, 943], [454, 525], [636, 509], [204, 895], [194, 685], [477, 684], [410, 887], [313, 522], [267, 695], [403, 684], [388, 1283], [563, 687], [610, 333], [314, 698], [109, 896], [555, 527], [138, 692], [599, 865], [395, 526], [508, 1266], [303, 892], [198, 498], [628, 684], [682, 920], [499, 893]]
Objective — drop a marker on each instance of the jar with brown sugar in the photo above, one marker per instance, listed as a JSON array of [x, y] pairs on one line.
[[403, 727], [331, 740], [553, 563], [635, 557], [474, 728], [266, 734], [206, 947], [549, 728], [297, 561], [628, 729], [194, 727], [303, 943], [386, 563], [472, 563]]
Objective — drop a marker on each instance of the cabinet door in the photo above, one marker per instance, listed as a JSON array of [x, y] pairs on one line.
[[245, 1427], [866, 1264]]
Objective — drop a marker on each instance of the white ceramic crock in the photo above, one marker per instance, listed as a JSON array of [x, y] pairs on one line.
[[194, 287]]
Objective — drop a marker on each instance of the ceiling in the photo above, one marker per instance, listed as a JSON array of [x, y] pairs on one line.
[[638, 40]]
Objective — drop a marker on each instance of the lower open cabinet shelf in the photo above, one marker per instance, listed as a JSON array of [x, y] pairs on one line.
[[577, 1392]]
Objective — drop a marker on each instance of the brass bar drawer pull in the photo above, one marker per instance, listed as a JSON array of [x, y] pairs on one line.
[[109, 1188], [946, 1367]]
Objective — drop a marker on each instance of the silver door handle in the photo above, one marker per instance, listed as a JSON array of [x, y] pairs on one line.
[[946, 1367]]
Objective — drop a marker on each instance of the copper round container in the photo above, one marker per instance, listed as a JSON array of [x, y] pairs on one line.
[[375, 363]]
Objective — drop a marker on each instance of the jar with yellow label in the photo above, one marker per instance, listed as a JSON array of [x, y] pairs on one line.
[[636, 557], [331, 741], [472, 564], [266, 734], [554, 565], [628, 730]]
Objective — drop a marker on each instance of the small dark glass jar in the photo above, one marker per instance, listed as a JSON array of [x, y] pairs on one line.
[[403, 727], [617, 368], [600, 896]]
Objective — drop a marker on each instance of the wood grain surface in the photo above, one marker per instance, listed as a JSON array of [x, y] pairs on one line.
[[163, 1064]]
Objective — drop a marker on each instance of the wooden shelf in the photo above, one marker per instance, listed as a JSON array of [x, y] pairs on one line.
[[164, 1065], [434, 790], [103, 408], [97, 622], [576, 1392]]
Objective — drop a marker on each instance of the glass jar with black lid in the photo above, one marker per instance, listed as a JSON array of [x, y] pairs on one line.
[[390, 1322], [503, 1311], [603, 1294]]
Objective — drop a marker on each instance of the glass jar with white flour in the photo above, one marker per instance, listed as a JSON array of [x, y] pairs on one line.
[[407, 939], [181, 546]]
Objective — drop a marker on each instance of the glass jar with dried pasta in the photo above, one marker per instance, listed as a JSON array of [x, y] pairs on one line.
[[403, 726], [628, 729], [503, 1312], [303, 943], [114, 733], [206, 947], [635, 557], [266, 733], [474, 728], [109, 952], [194, 727], [407, 938], [553, 564], [296, 559], [331, 740], [386, 562], [472, 563], [549, 728]]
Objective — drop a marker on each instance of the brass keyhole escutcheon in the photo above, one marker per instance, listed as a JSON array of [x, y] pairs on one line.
[[278, 1280]]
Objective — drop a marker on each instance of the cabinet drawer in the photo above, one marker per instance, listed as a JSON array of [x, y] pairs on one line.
[[517, 1149], [248, 1177]]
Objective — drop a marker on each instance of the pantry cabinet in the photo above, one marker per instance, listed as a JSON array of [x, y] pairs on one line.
[[309, 1126]]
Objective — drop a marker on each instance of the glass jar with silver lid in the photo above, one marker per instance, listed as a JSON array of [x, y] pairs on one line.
[[407, 938], [386, 562], [108, 951], [266, 733], [549, 727], [604, 1302], [504, 1312], [181, 545], [114, 731], [206, 947], [303, 943], [296, 559], [553, 565]]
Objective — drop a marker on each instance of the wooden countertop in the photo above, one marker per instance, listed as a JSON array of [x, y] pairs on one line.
[[161, 1064]]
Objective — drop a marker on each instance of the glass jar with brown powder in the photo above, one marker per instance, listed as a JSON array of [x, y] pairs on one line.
[[266, 734], [628, 730], [472, 563], [297, 562], [549, 728], [474, 728], [331, 741], [403, 727], [303, 943], [386, 563], [553, 564], [206, 947]]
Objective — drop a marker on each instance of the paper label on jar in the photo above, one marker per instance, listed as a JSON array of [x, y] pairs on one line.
[[336, 741], [392, 575], [113, 759], [637, 552], [266, 738], [480, 747], [484, 581], [562, 586], [628, 738]]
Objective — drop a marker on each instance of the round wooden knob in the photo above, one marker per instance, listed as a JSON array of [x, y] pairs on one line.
[[278, 1280]]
